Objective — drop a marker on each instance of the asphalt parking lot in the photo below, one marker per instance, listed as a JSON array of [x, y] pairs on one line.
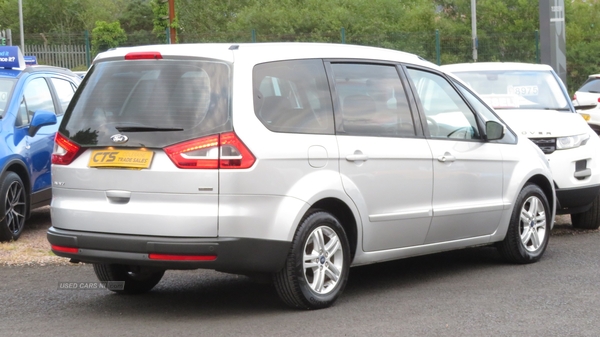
[[470, 292]]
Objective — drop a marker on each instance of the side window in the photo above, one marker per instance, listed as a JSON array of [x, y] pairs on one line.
[[36, 97], [64, 90], [22, 116], [372, 100], [483, 111], [293, 96], [448, 116]]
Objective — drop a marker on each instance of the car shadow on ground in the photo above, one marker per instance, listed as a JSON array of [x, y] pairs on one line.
[[207, 292], [203, 292]]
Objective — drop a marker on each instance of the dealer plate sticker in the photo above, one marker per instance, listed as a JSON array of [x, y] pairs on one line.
[[121, 158]]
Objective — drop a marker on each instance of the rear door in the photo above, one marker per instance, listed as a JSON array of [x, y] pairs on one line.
[[385, 162], [147, 131]]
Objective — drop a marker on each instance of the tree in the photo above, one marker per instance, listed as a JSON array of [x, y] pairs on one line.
[[160, 11], [209, 20], [583, 42], [107, 35], [137, 21]]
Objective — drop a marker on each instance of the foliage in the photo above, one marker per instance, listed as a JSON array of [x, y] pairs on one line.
[[160, 10], [107, 35], [583, 42], [137, 21], [506, 29]]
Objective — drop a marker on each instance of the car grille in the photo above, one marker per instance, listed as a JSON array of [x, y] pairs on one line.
[[548, 145]]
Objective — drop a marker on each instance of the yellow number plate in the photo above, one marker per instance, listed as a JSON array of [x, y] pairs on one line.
[[121, 158]]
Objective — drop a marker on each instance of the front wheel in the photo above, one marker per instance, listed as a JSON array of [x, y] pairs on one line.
[[317, 266], [589, 219], [136, 279], [529, 231], [13, 207]]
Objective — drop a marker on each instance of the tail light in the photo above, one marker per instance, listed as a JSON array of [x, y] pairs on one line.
[[222, 151], [574, 97], [65, 151]]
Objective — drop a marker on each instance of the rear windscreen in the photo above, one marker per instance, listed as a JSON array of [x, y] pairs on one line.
[[154, 103]]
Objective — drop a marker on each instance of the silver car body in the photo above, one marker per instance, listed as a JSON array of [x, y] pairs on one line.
[[401, 196]]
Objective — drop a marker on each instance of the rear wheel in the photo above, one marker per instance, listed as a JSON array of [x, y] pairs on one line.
[[317, 266], [589, 219], [136, 279], [529, 229], [13, 207]]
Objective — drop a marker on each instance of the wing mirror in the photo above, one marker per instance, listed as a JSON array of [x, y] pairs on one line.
[[40, 119]]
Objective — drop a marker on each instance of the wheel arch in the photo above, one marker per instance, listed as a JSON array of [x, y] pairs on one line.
[[18, 167], [546, 186], [344, 214]]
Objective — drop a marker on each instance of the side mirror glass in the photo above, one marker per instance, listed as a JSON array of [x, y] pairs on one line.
[[494, 130]]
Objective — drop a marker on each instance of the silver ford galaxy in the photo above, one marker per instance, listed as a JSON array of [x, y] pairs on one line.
[[291, 160]]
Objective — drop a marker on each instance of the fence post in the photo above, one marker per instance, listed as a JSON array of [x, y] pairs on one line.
[[343, 33], [537, 46], [438, 57], [253, 35], [87, 49]]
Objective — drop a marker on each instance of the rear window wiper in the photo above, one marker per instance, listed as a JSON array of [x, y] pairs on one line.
[[144, 129]]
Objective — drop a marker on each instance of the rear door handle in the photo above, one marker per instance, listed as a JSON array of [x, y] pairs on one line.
[[446, 158], [357, 157]]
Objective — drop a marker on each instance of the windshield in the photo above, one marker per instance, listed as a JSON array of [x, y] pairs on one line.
[[517, 89], [6, 87]]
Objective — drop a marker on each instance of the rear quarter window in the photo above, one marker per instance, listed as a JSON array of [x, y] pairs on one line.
[[293, 96]]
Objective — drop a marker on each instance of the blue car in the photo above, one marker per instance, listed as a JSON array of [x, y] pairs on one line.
[[33, 100]]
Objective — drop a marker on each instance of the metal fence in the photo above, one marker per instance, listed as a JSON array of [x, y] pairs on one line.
[[70, 50], [67, 56]]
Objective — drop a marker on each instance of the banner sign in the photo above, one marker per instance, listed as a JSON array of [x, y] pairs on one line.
[[30, 60], [11, 57]]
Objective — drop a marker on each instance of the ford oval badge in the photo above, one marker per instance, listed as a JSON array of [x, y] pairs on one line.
[[119, 138]]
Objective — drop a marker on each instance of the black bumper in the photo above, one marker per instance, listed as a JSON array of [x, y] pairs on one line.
[[575, 200], [234, 255]]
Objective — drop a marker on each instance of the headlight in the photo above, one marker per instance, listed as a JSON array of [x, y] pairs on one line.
[[571, 141]]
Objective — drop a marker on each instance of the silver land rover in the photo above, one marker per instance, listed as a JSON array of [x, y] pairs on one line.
[[291, 160]]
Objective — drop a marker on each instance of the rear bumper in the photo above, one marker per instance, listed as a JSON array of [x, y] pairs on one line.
[[234, 255]]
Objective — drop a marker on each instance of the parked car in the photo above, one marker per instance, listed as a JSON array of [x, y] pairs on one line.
[[533, 101], [290, 160], [80, 73], [588, 96], [32, 102]]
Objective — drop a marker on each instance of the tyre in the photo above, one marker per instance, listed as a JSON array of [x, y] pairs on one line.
[[317, 266], [529, 229], [13, 207], [137, 279], [589, 219]]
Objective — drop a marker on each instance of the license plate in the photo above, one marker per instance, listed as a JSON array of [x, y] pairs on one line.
[[121, 158]]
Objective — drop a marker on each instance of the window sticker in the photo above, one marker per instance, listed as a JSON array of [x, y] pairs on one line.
[[523, 90], [3, 96], [501, 101]]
